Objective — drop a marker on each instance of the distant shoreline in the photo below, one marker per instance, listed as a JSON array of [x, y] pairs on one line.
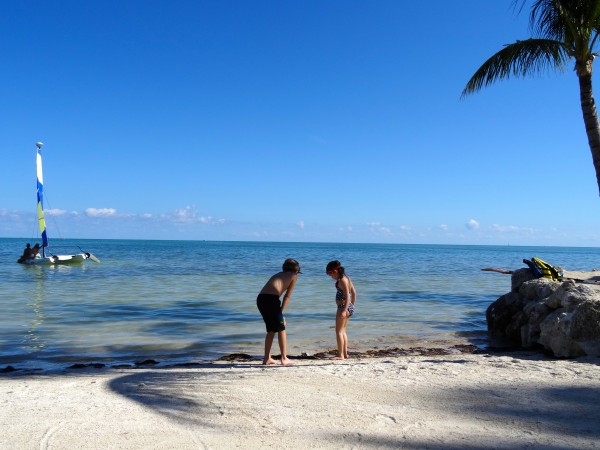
[[216, 241]]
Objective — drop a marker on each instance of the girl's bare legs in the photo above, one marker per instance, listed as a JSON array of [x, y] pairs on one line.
[[340, 335], [345, 338]]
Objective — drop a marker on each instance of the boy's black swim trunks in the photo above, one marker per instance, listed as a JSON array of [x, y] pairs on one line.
[[270, 308]]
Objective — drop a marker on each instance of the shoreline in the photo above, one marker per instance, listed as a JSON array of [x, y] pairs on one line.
[[323, 355], [448, 401]]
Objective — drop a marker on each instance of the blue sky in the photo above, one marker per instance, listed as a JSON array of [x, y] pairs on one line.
[[325, 121]]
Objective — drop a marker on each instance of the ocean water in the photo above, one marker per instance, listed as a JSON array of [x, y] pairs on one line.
[[192, 301]]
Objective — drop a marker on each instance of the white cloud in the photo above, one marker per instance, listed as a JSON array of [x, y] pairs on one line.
[[186, 214], [186, 222], [189, 214], [100, 212], [511, 229], [378, 229], [472, 225], [11, 214], [54, 212], [210, 219]]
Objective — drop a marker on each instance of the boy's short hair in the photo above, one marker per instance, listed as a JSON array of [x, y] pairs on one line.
[[291, 265]]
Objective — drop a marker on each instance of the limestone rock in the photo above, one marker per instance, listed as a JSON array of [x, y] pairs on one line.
[[519, 277], [538, 288], [563, 317]]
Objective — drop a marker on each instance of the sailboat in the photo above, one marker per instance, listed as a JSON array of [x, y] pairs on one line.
[[48, 257]]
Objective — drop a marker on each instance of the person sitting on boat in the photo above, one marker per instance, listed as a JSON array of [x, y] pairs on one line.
[[27, 253], [35, 251]]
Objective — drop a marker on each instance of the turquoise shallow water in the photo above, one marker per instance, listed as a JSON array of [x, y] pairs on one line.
[[188, 301]]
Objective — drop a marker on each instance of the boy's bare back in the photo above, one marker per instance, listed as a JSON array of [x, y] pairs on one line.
[[279, 283]]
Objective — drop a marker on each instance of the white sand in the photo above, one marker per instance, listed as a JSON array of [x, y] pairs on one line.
[[590, 276], [441, 402]]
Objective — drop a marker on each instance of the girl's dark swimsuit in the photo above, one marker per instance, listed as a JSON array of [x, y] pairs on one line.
[[340, 299], [269, 306]]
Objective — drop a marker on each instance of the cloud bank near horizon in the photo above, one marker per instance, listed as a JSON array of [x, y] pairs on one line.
[[188, 223]]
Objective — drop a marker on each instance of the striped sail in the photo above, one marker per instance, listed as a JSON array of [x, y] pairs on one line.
[[40, 199]]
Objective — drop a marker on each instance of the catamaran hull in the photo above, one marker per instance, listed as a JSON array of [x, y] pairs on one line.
[[56, 259]]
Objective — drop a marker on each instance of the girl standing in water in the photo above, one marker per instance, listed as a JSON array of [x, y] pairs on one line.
[[345, 298]]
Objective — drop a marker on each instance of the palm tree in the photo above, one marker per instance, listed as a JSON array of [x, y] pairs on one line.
[[563, 30]]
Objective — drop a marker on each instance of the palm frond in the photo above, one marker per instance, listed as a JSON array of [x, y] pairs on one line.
[[528, 57], [545, 20], [565, 20]]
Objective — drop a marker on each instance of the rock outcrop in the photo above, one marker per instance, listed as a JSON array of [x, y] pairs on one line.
[[562, 317]]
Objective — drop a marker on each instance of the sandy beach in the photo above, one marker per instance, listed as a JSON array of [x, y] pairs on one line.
[[511, 400]]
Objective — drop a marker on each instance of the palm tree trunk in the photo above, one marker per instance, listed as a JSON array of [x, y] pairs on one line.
[[590, 119]]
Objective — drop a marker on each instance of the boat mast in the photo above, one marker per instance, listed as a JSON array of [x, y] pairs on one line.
[[40, 197]]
